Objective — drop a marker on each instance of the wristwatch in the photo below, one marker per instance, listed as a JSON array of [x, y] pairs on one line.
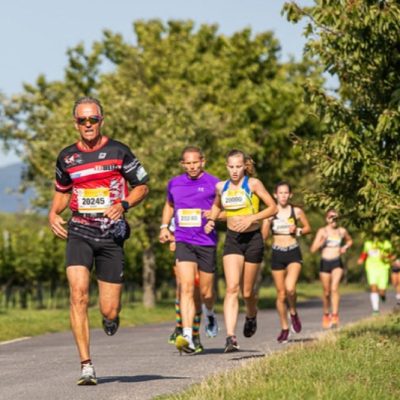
[[125, 205]]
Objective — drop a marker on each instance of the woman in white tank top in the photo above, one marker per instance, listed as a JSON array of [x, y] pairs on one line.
[[332, 241]]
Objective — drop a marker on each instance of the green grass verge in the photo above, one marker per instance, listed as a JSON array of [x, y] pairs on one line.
[[357, 363], [15, 323]]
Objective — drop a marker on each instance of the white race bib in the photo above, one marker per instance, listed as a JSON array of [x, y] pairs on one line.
[[93, 200], [234, 199], [281, 227], [189, 217], [374, 253], [333, 241]]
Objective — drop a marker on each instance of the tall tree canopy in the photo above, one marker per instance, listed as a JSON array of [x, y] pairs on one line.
[[175, 86], [357, 160]]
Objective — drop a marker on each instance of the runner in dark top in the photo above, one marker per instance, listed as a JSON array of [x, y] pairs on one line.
[[286, 259], [92, 176]]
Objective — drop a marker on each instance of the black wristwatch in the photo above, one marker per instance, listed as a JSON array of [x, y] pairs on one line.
[[125, 205]]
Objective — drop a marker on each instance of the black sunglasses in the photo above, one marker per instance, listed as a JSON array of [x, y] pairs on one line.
[[93, 120]]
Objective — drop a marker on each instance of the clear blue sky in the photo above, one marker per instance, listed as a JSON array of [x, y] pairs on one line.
[[34, 35]]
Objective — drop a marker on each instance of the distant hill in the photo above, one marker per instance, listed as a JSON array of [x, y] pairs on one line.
[[10, 199]]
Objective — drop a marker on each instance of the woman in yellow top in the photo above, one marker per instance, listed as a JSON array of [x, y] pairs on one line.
[[286, 256], [240, 196]]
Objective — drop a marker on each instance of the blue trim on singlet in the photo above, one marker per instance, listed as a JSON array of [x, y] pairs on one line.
[[245, 185]]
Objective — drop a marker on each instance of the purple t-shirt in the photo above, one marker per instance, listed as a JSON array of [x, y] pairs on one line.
[[190, 197]]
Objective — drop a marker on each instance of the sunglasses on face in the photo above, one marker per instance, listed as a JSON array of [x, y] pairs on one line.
[[93, 120], [333, 217]]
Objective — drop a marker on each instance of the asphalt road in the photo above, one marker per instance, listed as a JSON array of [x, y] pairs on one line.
[[137, 363]]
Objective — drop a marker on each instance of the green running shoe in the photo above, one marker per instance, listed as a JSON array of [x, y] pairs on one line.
[[198, 347], [172, 338]]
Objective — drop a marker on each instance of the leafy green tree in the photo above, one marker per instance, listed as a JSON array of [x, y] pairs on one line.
[[51, 270], [356, 161], [7, 275], [198, 87], [176, 86]]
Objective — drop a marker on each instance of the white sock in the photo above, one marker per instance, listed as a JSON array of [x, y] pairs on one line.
[[375, 301], [187, 332]]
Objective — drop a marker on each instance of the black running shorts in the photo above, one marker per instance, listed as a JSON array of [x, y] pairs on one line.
[[204, 256], [329, 265], [108, 257], [247, 244], [282, 257]]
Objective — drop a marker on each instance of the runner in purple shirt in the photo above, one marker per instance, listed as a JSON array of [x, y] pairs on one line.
[[191, 197], [189, 200]]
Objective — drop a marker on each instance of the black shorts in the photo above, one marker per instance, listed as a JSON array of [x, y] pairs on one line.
[[283, 256], [329, 265], [204, 256], [107, 254], [247, 244], [395, 270]]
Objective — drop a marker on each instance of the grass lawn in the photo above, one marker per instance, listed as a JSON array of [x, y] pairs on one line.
[[358, 363], [16, 322]]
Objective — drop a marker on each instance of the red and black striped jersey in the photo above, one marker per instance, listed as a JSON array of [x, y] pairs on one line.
[[97, 179]]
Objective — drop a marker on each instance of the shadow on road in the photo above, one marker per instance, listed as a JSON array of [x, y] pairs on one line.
[[248, 357], [221, 351], [136, 378], [302, 340]]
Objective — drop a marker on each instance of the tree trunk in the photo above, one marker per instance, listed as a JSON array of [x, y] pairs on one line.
[[23, 297], [129, 289], [39, 296], [8, 291], [149, 277]]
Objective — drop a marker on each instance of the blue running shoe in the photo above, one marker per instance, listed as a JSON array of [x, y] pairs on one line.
[[212, 326]]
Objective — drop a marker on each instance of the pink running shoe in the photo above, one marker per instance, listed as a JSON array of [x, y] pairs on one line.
[[296, 323], [284, 336]]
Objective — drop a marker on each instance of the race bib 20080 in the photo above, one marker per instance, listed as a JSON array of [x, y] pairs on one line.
[[234, 199]]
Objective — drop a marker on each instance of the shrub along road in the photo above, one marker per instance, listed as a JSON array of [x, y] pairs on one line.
[[137, 363]]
